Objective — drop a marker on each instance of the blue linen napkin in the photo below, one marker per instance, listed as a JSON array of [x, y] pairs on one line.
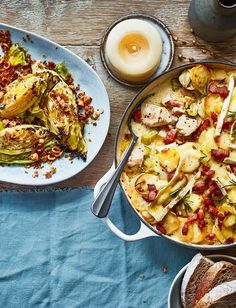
[[55, 253]]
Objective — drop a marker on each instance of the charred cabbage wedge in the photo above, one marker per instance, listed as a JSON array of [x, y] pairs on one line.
[[42, 111], [61, 111], [23, 93], [17, 143]]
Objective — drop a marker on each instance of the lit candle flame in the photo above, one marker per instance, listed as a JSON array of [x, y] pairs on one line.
[[133, 48]]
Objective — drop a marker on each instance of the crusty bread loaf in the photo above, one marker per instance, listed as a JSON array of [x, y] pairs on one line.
[[222, 296], [192, 277], [217, 274]]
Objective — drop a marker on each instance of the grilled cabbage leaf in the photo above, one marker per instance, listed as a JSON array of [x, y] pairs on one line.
[[16, 56], [61, 110], [21, 94], [17, 143]]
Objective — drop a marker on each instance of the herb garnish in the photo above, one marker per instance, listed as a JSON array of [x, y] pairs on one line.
[[232, 183], [202, 157], [231, 114], [220, 200], [187, 203], [233, 134]]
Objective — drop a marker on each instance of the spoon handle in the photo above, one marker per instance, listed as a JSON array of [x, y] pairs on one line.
[[101, 205]]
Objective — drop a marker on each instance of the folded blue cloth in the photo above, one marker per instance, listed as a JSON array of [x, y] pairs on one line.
[[55, 253]]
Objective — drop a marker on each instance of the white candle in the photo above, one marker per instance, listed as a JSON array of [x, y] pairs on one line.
[[134, 49]]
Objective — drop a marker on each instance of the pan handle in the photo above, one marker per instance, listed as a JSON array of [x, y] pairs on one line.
[[143, 231]]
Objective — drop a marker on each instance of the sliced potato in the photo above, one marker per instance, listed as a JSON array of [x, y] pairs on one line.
[[224, 141], [170, 223], [232, 195], [200, 76], [227, 208], [213, 103], [184, 238], [229, 221], [191, 161], [218, 74], [221, 173], [155, 210], [194, 201], [124, 144], [226, 232], [148, 217], [151, 164], [148, 137], [169, 159], [178, 185], [218, 234], [198, 234], [164, 197], [209, 225], [206, 143]]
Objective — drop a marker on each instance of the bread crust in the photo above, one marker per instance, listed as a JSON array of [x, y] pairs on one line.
[[218, 273], [222, 296], [192, 277]]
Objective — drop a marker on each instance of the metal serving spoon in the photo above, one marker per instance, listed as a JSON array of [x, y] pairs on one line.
[[101, 205]]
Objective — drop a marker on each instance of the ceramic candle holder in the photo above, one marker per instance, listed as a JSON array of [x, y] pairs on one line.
[[137, 48]]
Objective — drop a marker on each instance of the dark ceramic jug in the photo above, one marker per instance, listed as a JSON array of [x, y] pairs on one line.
[[213, 20]]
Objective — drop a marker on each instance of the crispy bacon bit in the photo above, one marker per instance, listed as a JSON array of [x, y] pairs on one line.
[[5, 39], [137, 116], [233, 168], [170, 175], [139, 186], [207, 172], [227, 125], [201, 223], [219, 154], [177, 111], [151, 187], [51, 65], [200, 214], [173, 103], [152, 193], [35, 174], [213, 211], [185, 229], [170, 136], [214, 118], [205, 124], [221, 216], [89, 110], [229, 240], [216, 89], [128, 136], [199, 187], [214, 189], [160, 228], [211, 236], [208, 202], [191, 218]]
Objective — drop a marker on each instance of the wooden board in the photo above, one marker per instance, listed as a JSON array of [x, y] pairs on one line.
[[80, 25]]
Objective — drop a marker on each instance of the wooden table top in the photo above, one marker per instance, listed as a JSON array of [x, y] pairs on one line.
[[80, 25]]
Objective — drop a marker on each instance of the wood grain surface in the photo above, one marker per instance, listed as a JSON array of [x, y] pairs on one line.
[[80, 25]]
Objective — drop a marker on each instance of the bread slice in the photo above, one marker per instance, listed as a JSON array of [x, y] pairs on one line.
[[218, 273], [192, 277], [222, 296]]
